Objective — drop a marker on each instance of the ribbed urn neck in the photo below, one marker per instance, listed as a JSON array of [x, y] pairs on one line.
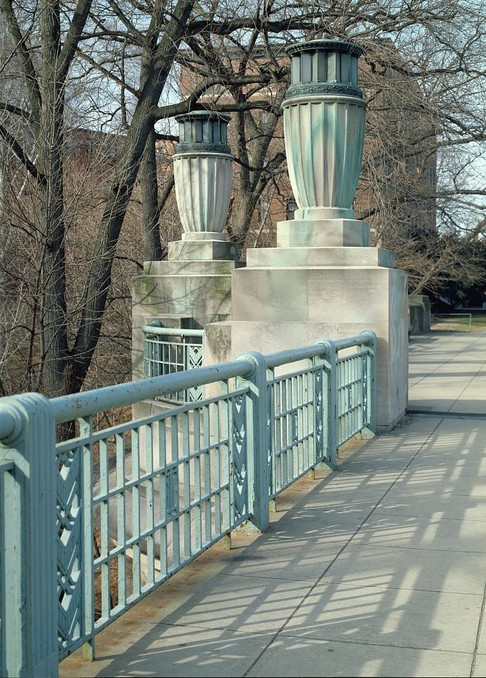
[[203, 131], [324, 61], [323, 68]]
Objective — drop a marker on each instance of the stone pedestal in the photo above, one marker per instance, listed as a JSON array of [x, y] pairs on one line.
[[191, 248], [323, 233], [292, 296], [420, 313], [183, 292]]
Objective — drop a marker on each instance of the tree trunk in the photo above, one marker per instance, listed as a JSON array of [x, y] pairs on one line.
[[54, 377], [150, 211], [99, 277]]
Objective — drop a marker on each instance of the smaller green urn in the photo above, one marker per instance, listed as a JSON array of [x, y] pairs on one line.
[[203, 170]]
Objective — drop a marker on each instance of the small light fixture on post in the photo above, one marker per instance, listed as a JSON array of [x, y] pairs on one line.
[[203, 173], [324, 116]]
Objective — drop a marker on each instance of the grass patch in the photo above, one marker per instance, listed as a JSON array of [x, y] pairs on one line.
[[474, 322]]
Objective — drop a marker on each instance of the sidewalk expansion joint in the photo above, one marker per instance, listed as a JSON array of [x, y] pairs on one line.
[[451, 415]]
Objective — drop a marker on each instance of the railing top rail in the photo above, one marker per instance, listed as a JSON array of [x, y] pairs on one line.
[[172, 331], [84, 404], [66, 408], [7, 425], [367, 338], [293, 355], [320, 348]]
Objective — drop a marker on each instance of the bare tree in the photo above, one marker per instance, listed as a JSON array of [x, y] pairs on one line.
[[110, 64], [64, 364]]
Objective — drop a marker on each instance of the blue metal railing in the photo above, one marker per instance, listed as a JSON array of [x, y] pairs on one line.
[[92, 524]]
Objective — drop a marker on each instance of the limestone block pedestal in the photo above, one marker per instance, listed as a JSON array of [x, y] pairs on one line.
[[292, 296], [188, 291], [420, 313]]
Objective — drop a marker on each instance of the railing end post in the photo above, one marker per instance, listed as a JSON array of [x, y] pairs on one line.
[[29, 484], [369, 336], [259, 451], [328, 346], [372, 380], [331, 399]]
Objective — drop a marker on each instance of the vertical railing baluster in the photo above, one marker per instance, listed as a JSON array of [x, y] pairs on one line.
[[274, 435], [226, 422], [222, 463], [135, 490], [216, 474], [348, 399], [285, 432], [85, 430], [198, 510], [121, 518], [277, 434], [149, 503], [162, 486], [352, 391], [358, 392], [186, 474], [176, 528], [208, 474], [212, 474], [302, 433], [104, 530]]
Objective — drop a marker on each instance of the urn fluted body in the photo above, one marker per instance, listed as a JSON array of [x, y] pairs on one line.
[[203, 174], [324, 116]]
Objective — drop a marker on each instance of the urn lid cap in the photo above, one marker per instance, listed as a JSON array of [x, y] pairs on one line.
[[203, 131], [324, 45], [203, 115]]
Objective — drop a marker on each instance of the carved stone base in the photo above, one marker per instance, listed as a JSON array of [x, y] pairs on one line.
[[323, 233]]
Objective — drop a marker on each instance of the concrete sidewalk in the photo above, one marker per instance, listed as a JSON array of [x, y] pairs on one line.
[[377, 569], [447, 373]]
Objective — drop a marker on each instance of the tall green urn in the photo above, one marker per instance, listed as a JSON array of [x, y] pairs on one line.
[[324, 116]]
